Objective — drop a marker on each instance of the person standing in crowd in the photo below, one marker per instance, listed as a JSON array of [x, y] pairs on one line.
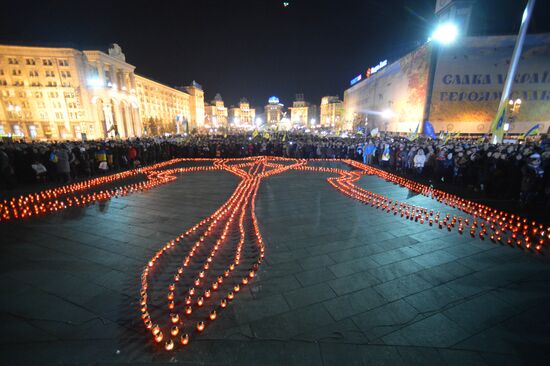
[[63, 163], [419, 161], [531, 181]]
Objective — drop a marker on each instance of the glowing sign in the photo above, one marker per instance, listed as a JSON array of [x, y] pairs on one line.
[[375, 69], [355, 80]]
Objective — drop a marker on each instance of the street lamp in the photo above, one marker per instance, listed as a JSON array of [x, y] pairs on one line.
[[444, 35]]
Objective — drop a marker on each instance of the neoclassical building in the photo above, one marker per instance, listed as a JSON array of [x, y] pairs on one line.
[[216, 112], [332, 112], [64, 93], [242, 116]]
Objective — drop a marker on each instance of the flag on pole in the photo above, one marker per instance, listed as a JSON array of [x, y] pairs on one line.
[[413, 136], [451, 136], [429, 130], [497, 128], [532, 132], [441, 135], [284, 137], [266, 135], [255, 133]]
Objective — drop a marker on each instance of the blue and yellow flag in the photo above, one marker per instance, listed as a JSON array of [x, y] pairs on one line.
[[532, 132], [413, 136], [451, 136], [429, 130], [497, 127]]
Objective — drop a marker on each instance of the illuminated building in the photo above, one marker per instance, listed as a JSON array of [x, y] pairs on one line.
[[273, 112], [302, 113], [163, 109], [332, 112], [468, 84], [196, 104], [216, 113], [64, 93], [242, 116]]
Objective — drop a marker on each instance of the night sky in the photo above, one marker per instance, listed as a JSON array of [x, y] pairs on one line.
[[250, 48]]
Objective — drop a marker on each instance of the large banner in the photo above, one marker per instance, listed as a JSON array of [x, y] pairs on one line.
[[400, 87], [469, 80]]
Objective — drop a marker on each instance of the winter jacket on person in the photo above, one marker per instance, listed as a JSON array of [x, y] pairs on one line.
[[419, 160], [63, 161]]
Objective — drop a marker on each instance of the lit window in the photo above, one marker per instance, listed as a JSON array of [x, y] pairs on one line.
[[32, 131], [51, 84], [30, 61], [18, 83], [33, 73], [13, 61], [50, 74], [47, 62], [16, 72], [17, 130], [63, 63]]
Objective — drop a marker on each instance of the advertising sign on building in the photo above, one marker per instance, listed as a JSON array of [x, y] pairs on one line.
[[470, 77]]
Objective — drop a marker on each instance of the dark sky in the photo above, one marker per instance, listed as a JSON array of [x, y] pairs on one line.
[[251, 48]]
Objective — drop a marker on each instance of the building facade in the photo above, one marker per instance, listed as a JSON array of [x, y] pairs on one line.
[[242, 116], [302, 113], [273, 112], [216, 113], [468, 84], [332, 113], [162, 109], [63, 93], [196, 104]]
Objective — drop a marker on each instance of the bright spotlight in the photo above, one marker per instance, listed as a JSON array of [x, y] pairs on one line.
[[94, 82], [445, 33], [387, 113]]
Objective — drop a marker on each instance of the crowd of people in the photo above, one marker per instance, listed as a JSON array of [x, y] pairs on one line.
[[519, 171]]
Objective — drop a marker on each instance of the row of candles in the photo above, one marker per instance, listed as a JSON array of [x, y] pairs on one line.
[[88, 191], [203, 253], [487, 222]]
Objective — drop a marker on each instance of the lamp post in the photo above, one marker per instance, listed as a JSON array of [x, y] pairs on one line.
[[444, 35], [513, 109]]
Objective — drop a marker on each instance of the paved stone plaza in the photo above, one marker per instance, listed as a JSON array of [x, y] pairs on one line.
[[342, 284]]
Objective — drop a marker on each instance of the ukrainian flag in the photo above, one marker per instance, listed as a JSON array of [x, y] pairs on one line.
[[413, 136], [497, 128], [532, 132]]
